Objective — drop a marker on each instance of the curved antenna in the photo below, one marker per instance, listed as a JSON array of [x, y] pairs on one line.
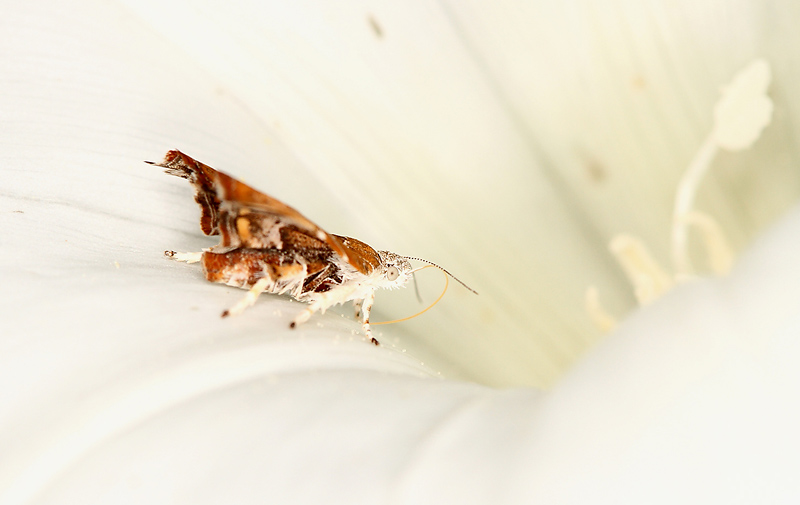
[[416, 287], [426, 309], [440, 268]]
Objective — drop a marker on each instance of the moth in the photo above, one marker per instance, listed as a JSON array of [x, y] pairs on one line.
[[267, 246]]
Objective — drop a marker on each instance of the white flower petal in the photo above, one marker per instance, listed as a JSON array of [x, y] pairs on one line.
[[120, 382]]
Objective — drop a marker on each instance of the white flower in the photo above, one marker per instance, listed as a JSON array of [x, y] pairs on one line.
[[509, 142]]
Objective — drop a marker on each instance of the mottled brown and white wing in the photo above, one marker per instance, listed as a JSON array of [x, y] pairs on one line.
[[247, 218]]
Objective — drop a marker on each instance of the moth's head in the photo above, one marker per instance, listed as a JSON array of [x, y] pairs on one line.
[[395, 270]]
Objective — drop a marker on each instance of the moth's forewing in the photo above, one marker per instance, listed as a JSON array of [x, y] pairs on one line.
[[244, 216], [204, 179], [360, 255]]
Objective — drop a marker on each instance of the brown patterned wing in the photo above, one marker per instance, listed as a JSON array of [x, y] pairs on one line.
[[203, 178], [360, 255], [245, 217]]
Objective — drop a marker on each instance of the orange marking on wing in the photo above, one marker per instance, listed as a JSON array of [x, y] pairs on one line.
[[277, 272], [243, 228]]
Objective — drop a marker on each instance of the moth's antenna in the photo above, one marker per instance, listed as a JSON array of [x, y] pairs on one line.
[[426, 309], [416, 287], [442, 269]]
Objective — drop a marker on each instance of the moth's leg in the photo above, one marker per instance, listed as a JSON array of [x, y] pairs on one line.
[[189, 257], [366, 307], [250, 298], [320, 305], [305, 315], [357, 306]]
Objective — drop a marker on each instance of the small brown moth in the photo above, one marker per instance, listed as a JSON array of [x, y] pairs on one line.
[[267, 246]]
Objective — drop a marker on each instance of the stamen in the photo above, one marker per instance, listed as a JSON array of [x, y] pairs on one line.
[[720, 253], [604, 321], [684, 200], [740, 115], [744, 109], [648, 278]]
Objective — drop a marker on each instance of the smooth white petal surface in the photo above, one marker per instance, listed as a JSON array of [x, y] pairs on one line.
[[120, 384]]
